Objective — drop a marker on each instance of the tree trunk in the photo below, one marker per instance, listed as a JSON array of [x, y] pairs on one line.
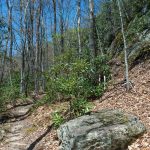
[[125, 47], [79, 21], [9, 7], [22, 85], [55, 28], [92, 43], [61, 25], [42, 48], [37, 53], [23, 33]]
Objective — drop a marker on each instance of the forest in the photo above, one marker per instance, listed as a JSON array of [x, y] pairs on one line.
[[65, 59]]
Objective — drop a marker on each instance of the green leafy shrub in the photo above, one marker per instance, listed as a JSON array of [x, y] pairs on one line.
[[74, 77], [9, 93], [57, 119], [98, 90], [76, 80], [139, 24], [80, 106]]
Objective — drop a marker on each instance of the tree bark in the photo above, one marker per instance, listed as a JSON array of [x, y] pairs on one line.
[[61, 25], [125, 48], [92, 43], [55, 28], [37, 49], [79, 22], [10, 32]]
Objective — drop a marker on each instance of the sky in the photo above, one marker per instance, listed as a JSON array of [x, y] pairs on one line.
[[69, 13]]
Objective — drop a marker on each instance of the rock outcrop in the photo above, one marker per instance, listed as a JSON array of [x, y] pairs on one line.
[[104, 130], [2, 133]]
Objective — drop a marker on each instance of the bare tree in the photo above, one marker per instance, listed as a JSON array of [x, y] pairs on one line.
[[37, 49], [60, 2], [10, 37], [79, 22], [4, 60], [55, 28], [92, 42], [22, 84], [10, 7], [42, 48], [31, 35], [125, 47]]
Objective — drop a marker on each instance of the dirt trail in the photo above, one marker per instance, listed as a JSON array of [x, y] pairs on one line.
[[15, 129]]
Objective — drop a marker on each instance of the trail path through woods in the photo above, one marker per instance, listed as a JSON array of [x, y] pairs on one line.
[[15, 129]]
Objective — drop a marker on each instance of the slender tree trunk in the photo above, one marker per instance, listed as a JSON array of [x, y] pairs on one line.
[[42, 48], [128, 18], [11, 38], [26, 47], [37, 54], [4, 61], [30, 36], [102, 54], [3, 66], [99, 41], [46, 49], [92, 43], [9, 7], [79, 22], [125, 48], [55, 29], [23, 32], [22, 86], [61, 25]]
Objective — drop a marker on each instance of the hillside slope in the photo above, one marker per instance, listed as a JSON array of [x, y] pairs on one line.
[[37, 131], [137, 101]]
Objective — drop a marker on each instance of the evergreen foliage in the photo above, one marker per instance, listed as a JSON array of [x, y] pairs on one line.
[[9, 93], [76, 80]]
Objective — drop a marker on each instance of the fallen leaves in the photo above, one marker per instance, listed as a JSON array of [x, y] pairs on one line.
[[137, 101]]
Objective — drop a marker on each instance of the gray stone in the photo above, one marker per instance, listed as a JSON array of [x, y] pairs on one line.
[[104, 130], [21, 110], [2, 134]]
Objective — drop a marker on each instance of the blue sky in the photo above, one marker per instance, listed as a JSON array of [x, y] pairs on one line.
[[70, 11]]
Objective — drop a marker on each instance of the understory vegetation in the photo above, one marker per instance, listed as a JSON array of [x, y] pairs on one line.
[[9, 93], [77, 81]]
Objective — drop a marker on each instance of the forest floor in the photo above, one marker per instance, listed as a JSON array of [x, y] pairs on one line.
[[35, 132]]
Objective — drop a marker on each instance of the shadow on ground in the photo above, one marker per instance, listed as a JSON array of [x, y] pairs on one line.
[[32, 146]]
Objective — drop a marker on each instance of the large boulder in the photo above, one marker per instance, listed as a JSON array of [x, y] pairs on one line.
[[104, 130]]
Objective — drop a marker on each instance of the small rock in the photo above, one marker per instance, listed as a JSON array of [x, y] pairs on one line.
[[2, 134]]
